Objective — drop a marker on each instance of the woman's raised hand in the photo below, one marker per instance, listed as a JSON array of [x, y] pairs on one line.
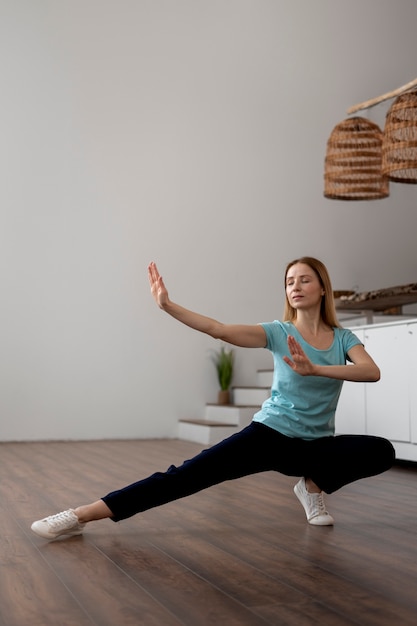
[[158, 289], [299, 361]]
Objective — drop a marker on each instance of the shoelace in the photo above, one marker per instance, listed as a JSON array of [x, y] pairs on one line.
[[60, 520], [317, 504]]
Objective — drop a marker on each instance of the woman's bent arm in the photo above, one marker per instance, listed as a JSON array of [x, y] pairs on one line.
[[363, 368]]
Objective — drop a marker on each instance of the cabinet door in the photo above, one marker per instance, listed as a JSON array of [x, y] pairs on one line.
[[412, 337], [350, 413], [387, 401]]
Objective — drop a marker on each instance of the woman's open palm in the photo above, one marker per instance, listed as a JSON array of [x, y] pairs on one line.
[[299, 361], [158, 289]]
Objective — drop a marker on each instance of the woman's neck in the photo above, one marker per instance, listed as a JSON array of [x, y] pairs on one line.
[[310, 322], [314, 331]]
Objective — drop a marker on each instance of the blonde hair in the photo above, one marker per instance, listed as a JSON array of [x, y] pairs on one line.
[[327, 309]]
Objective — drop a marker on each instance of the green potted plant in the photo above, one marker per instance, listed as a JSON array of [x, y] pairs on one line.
[[223, 360]]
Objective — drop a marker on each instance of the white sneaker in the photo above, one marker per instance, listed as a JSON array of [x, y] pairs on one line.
[[64, 523], [313, 504]]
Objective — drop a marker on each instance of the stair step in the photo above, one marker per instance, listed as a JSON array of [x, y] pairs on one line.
[[204, 432], [219, 422], [230, 413], [206, 422], [250, 396], [264, 378]]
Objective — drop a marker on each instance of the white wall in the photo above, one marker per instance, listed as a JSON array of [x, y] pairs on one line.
[[188, 132]]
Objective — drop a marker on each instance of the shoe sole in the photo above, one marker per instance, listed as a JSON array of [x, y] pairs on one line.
[[46, 535]]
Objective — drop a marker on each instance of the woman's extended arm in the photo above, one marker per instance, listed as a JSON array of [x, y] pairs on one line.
[[244, 335], [363, 368]]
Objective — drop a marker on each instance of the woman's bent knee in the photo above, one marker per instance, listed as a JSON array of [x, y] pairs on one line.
[[387, 453]]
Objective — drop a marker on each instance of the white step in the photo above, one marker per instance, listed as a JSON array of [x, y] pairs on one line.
[[219, 422], [203, 431], [264, 378], [229, 414], [250, 396]]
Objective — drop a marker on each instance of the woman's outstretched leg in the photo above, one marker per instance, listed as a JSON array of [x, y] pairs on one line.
[[241, 454]]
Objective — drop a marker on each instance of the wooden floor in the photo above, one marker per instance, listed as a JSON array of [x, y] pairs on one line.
[[240, 553]]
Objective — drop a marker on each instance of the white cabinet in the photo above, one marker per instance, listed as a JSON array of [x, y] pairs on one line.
[[387, 408], [388, 401], [350, 414], [412, 333]]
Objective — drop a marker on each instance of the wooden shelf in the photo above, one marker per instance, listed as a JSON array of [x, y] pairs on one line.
[[390, 305], [377, 304]]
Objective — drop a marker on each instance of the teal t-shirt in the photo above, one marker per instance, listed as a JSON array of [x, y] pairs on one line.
[[303, 406]]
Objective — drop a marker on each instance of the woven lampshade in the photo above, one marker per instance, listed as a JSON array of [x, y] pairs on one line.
[[353, 164], [399, 146]]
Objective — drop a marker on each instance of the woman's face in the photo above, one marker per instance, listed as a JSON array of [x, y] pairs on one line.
[[302, 287]]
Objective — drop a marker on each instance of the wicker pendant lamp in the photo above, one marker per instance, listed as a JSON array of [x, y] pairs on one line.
[[399, 146], [353, 164]]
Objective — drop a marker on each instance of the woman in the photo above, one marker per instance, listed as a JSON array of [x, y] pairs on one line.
[[293, 433]]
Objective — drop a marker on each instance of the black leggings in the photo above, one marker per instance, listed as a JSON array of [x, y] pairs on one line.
[[331, 462]]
